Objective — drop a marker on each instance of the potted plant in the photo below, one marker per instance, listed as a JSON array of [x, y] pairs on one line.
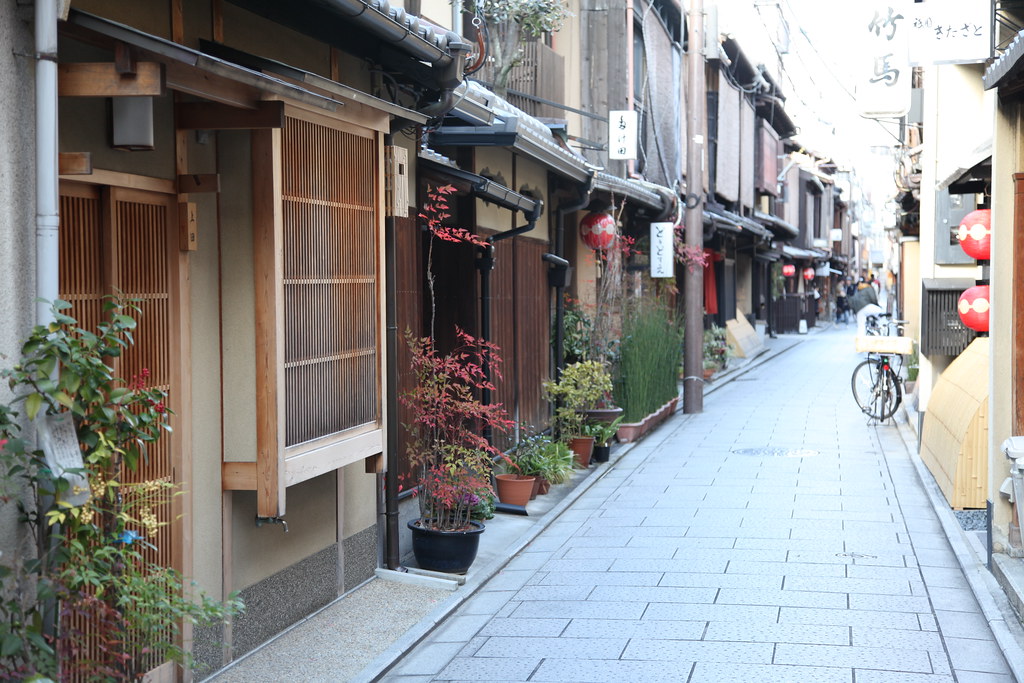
[[451, 458], [603, 433], [580, 388], [716, 348]]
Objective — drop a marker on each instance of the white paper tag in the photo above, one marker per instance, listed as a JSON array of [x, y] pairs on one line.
[[59, 442]]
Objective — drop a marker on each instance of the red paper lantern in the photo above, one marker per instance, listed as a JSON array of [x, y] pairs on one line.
[[598, 230], [789, 270], [808, 273], [974, 306], [975, 234]]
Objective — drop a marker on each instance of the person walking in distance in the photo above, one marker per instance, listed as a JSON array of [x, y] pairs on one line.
[[863, 303]]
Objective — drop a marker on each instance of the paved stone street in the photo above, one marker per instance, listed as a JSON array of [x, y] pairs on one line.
[[775, 537]]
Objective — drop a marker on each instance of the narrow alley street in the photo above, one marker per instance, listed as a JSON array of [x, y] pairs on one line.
[[775, 537]]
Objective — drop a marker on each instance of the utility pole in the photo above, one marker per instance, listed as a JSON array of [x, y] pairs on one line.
[[693, 353]]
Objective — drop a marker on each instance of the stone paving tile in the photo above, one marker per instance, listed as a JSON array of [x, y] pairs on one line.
[[666, 566], [953, 599], [713, 612], [528, 560], [979, 677], [654, 553], [487, 602], [862, 571], [554, 592], [927, 557], [848, 617], [778, 633], [551, 628], [582, 648], [914, 661], [976, 655], [683, 544], [604, 579], [905, 639], [460, 628], [869, 676], [944, 577], [786, 568], [580, 609], [576, 671], [782, 598], [635, 628], [516, 668], [429, 660], [962, 624], [847, 585], [697, 580], [853, 515], [891, 603], [803, 544], [510, 579], [747, 673], [654, 594], [593, 564], [702, 651]]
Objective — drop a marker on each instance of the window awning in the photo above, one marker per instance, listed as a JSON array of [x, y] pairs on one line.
[[1005, 69], [781, 229], [736, 223], [973, 173], [657, 197], [803, 254]]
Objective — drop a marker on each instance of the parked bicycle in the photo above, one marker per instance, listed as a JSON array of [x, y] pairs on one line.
[[883, 324], [876, 382]]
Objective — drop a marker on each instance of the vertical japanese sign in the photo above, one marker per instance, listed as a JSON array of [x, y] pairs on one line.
[[951, 32], [662, 251], [622, 134], [883, 73]]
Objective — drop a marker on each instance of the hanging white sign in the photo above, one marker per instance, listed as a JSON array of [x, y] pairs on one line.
[[883, 62], [622, 134], [662, 251], [951, 32]]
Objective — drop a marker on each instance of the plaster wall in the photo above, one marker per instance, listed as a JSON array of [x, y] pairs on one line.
[[953, 103], [569, 43], [438, 12], [910, 279], [1006, 160], [17, 210]]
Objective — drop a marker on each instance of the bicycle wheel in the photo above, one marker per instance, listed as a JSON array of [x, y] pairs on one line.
[[876, 389]]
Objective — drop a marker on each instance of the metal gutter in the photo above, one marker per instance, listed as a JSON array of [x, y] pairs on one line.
[[482, 187]]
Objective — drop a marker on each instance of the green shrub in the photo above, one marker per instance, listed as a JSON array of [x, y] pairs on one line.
[[651, 346]]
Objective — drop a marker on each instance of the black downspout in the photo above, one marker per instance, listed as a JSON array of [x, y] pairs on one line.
[[392, 559], [563, 210]]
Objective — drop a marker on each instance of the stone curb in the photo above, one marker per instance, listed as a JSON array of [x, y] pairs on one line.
[[995, 605], [391, 656]]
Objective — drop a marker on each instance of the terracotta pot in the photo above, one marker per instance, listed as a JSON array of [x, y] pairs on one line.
[[582, 446], [514, 489], [536, 488], [629, 431], [543, 485], [708, 372]]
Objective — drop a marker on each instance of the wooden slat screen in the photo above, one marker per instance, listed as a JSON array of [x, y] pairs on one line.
[[125, 251], [330, 281], [503, 332], [409, 288], [533, 313]]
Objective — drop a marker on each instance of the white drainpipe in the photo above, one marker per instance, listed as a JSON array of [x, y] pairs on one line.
[[47, 203]]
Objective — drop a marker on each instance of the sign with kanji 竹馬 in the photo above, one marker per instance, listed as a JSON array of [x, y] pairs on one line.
[[622, 134], [883, 62]]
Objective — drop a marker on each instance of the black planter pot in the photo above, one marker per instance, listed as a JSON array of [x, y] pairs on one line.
[[451, 552], [601, 453]]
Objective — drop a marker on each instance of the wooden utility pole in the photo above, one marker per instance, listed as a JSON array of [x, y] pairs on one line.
[[693, 355]]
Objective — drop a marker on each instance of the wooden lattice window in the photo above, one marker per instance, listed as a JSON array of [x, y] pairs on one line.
[[330, 281], [115, 240], [317, 229]]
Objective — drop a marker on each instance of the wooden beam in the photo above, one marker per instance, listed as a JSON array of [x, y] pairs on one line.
[[188, 230], [124, 61], [268, 267], [198, 182], [238, 476], [101, 79], [75, 163], [212, 116], [196, 82]]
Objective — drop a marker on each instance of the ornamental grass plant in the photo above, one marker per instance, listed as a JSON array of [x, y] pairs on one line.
[[651, 346]]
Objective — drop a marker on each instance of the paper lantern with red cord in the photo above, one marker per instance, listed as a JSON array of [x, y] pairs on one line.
[[808, 273], [789, 270], [973, 308], [975, 234], [598, 230]]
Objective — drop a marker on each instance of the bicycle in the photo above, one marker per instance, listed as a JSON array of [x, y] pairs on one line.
[[876, 383], [873, 324]]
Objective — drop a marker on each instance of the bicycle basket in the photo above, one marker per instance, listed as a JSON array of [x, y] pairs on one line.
[[893, 345]]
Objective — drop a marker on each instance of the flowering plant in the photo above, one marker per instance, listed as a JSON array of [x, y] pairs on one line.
[[691, 256], [451, 457], [716, 347]]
